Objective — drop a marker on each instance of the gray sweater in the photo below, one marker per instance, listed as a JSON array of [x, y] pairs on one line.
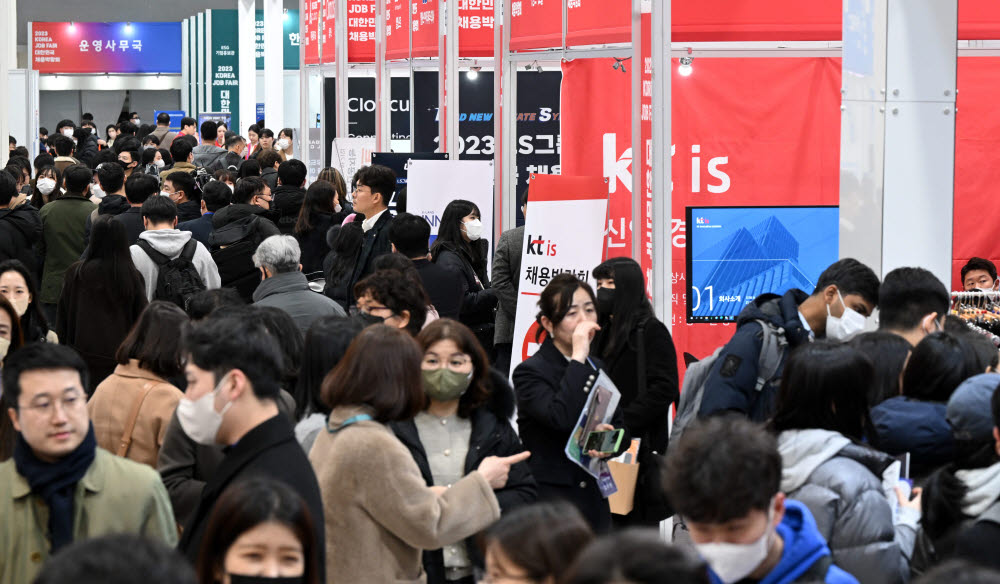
[[170, 242]]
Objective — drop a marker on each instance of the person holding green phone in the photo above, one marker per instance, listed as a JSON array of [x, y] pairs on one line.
[[465, 421]]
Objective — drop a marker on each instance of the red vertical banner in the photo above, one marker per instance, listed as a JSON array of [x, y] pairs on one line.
[[311, 32], [397, 29], [646, 133], [475, 28], [361, 31], [329, 31], [595, 22], [535, 24], [424, 18]]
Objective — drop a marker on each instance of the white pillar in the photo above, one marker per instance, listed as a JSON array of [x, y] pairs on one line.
[[10, 10], [662, 195], [897, 155], [247, 24], [382, 81], [343, 128], [448, 77], [5, 68], [274, 81], [302, 146]]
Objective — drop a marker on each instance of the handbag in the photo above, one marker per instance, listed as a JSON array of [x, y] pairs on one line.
[[651, 502]]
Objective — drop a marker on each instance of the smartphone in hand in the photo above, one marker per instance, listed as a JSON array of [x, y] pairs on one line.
[[605, 442]]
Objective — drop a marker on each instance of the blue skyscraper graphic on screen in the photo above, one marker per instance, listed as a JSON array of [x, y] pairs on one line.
[[736, 254]]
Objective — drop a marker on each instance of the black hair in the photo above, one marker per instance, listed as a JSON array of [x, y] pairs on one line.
[[64, 123], [146, 157], [524, 197], [345, 244], [268, 158], [723, 468], [292, 173], [22, 152], [825, 386], [380, 179], [77, 178], [106, 155], [286, 333], [209, 131], [557, 298], [63, 145], [111, 176], [401, 200], [159, 210], [109, 127], [185, 122], [938, 365], [410, 234], [155, 340], [150, 139], [162, 119], [43, 131], [183, 181], [34, 325], [908, 295], [216, 195], [180, 150], [979, 264], [850, 277], [140, 187], [36, 356], [42, 160], [127, 128], [543, 539], [888, 353], [325, 345], [206, 302], [265, 133], [168, 159], [249, 168], [404, 265], [450, 230], [99, 560], [254, 128], [397, 294], [630, 309], [234, 140], [221, 344], [8, 188], [247, 188], [287, 132], [637, 556], [107, 255], [318, 199]]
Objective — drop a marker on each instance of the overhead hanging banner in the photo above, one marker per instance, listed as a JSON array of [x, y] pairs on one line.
[[290, 39], [361, 31], [310, 29], [425, 25], [106, 47], [432, 184], [329, 32], [475, 28], [596, 22], [562, 233], [224, 76], [535, 24], [397, 29]]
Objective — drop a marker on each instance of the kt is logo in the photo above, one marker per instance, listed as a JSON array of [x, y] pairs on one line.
[[538, 245]]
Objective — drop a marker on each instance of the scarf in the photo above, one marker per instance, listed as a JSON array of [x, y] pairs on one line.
[[55, 483]]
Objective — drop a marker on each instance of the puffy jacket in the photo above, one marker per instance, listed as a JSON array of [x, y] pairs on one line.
[[20, 230], [730, 383], [847, 487], [210, 157], [285, 205], [919, 427], [290, 292]]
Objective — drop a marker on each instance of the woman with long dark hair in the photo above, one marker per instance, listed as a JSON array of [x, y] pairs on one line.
[[316, 217], [339, 263], [463, 422], [333, 176], [639, 356], [259, 526], [821, 419], [48, 189], [19, 287], [102, 297], [460, 247]]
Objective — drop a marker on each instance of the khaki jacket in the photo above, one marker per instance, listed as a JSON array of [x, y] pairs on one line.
[[115, 496], [113, 402], [379, 512]]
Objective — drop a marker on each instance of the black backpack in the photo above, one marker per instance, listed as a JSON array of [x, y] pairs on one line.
[[178, 280]]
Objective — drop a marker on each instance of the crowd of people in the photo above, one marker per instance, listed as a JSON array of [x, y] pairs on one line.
[[239, 377]]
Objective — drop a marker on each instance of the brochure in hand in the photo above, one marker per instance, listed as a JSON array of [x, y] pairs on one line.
[[600, 406]]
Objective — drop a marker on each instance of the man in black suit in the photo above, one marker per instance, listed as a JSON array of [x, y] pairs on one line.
[[138, 188], [372, 193], [216, 195], [238, 362], [410, 235]]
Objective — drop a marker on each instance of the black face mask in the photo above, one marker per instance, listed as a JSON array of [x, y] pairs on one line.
[[605, 300], [366, 319], [237, 579]]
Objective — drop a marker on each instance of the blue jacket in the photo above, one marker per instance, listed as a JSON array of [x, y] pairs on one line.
[[730, 383], [919, 427], [200, 228], [803, 547]]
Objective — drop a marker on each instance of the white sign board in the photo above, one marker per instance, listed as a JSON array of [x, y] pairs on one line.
[[349, 154]]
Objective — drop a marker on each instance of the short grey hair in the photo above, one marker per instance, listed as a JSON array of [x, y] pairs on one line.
[[278, 254]]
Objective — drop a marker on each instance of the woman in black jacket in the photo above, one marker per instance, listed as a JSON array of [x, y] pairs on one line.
[[460, 247], [552, 388], [465, 421], [316, 217], [345, 245], [640, 358]]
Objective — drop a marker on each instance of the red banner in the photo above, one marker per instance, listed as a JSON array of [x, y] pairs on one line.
[[535, 24], [425, 34], [329, 19], [361, 31], [475, 28], [595, 22], [397, 29], [310, 34], [744, 134]]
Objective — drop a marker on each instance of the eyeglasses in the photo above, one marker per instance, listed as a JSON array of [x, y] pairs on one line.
[[457, 363], [47, 407], [368, 309]]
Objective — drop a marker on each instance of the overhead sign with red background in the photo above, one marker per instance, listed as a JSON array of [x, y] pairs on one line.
[[361, 31], [425, 27], [535, 24], [106, 47], [475, 28], [397, 29], [329, 19], [596, 22], [310, 32]]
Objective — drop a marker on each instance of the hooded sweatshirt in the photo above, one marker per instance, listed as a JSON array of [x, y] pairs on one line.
[[849, 490], [804, 546], [170, 242]]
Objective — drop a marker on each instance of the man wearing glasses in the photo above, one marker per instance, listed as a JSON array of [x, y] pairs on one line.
[[59, 487], [375, 185]]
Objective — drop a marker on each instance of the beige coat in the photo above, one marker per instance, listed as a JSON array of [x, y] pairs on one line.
[[379, 512], [112, 403]]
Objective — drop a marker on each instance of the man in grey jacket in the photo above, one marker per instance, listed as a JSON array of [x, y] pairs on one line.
[[162, 131], [506, 280], [159, 216], [208, 155], [285, 286]]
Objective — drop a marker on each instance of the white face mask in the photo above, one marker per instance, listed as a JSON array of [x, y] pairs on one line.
[[337, 207], [159, 163], [733, 562], [4, 346], [198, 418], [474, 229], [164, 194], [232, 187], [46, 185], [282, 144], [845, 327], [137, 122], [97, 191], [20, 306], [67, 132]]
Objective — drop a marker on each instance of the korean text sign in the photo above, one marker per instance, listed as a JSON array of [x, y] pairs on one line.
[[106, 47]]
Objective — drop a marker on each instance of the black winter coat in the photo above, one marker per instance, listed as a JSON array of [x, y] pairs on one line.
[[285, 205], [20, 230], [551, 394], [376, 242], [478, 300], [492, 435], [313, 243]]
